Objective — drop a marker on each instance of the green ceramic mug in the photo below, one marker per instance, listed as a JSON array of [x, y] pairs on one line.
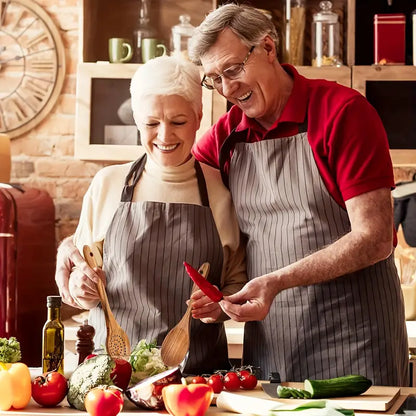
[[151, 48], [119, 50]]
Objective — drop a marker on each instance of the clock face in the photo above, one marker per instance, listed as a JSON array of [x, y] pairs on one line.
[[32, 65]]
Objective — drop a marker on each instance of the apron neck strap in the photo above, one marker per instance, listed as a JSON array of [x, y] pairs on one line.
[[133, 176], [226, 150], [202, 185]]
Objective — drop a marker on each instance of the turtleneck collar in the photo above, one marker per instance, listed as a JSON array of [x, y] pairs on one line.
[[170, 173]]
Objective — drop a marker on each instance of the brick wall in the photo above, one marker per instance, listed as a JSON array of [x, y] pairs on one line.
[[44, 157]]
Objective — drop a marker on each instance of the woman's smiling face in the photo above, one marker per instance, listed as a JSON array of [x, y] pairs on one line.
[[168, 125]]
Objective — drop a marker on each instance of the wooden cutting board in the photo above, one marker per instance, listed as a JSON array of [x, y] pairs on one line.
[[376, 398]]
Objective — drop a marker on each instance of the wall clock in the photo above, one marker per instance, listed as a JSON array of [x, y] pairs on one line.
[[32, 65]]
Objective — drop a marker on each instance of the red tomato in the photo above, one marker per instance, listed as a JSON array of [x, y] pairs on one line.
[[121, 373], [104, 401], [215, 381], [198, 380], [49, 389], [248, 380], [231, 381]]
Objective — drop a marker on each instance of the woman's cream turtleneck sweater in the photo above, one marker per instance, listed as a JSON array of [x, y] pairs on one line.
[[164, 184]]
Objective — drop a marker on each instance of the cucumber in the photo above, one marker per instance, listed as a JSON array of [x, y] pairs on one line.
[[351, 385], [285, 392]]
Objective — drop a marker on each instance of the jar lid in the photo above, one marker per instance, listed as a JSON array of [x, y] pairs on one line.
[[325, 15], [184, 27]]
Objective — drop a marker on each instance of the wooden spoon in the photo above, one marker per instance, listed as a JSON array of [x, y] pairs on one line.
[[176, 343], [117, 342]]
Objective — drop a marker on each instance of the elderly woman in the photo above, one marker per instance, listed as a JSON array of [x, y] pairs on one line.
[[155, 213]]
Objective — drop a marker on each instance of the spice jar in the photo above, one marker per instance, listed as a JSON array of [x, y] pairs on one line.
[[325, 37]]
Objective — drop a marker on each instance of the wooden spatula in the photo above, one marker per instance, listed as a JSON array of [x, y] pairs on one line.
[[176, 343], [117, 342]]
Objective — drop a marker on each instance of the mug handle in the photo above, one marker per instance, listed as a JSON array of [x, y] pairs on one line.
[[129, 52], [163, 47]]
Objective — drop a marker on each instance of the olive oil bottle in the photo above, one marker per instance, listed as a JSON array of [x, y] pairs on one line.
[[53, 337]]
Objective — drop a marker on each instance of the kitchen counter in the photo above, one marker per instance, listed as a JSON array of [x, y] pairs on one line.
[[409, 409]]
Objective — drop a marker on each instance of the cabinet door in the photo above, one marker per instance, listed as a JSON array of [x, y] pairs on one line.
[[392, 91]]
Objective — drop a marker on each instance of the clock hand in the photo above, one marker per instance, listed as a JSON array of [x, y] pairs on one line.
[[16, 58]]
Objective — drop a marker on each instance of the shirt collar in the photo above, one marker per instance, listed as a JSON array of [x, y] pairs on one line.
[[295, 108]]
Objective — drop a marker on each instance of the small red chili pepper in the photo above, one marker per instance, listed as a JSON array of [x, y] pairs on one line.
[[210, 290]]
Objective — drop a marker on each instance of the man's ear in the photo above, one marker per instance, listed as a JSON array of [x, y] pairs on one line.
[[269, 46], [199, 119]]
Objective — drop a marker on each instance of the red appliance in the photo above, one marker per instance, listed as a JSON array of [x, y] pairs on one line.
[[27, 266], [389, 39]]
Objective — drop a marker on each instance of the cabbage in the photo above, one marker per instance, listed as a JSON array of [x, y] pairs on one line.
[[146, 361]]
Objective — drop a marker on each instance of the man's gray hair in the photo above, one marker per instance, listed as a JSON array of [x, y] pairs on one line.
[[166, 75], [248, 23]]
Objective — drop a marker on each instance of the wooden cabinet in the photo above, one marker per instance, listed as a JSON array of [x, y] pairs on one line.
[[103, 19]]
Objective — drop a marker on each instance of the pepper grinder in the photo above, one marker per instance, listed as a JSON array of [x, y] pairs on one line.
[[84, 344]]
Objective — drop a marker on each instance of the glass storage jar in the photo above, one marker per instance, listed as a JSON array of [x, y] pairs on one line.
[[294, 32], [181, 35], [325, 37]]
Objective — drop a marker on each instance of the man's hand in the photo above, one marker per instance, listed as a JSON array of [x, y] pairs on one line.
[[69, 257], [252, 302]]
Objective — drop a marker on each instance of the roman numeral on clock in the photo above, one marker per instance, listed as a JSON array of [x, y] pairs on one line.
[[41, 65]]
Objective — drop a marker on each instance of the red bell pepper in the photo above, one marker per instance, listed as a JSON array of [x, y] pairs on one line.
[[187, 400], [210, 290]]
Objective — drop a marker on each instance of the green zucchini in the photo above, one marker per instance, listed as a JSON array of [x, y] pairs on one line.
[[351, 385]]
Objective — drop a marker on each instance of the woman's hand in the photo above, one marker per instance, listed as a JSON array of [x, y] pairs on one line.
[[204, 308], [83, 289], [68, 258]]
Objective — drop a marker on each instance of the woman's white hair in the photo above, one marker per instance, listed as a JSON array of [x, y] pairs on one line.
[[166, 75]]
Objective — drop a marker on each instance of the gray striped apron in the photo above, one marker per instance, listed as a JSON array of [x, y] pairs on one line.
[[147, 285], [352, 325]]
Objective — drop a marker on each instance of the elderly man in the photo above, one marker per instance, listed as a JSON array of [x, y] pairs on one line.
[[308, 166]]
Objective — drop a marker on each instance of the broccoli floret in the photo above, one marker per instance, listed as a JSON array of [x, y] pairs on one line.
[[89, 374], [10, 350]]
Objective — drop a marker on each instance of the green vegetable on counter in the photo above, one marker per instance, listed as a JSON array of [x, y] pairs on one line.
[[314, 404], [10, 350], [91, 373], [351, 385], [285, 392], [146, 361]]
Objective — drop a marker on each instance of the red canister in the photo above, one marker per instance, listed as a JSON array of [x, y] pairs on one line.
[[389, 39]]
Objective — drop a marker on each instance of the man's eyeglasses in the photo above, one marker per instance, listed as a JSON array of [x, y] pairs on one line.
[[232, 72]]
